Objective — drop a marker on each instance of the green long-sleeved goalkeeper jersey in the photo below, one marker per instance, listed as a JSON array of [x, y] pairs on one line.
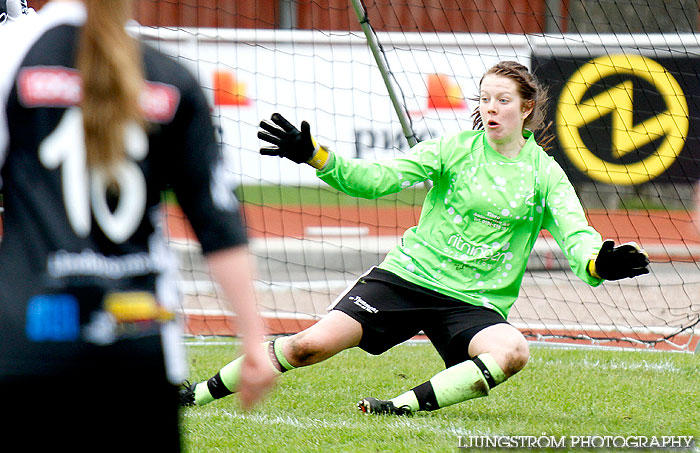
[[480, 219]]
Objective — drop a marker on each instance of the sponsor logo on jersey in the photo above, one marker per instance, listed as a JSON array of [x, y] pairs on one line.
[[464, 250], [63, 264], [57, 86], [44, 86], [159, 102], [135, 306], [53, 318]]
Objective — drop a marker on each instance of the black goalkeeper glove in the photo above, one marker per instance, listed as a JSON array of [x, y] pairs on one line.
[[615, 263], [289, 142]]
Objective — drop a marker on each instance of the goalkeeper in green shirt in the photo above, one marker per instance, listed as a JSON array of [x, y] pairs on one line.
[[457, 273]]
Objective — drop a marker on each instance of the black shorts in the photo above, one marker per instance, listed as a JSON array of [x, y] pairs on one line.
[[122, 402], [393, 310]]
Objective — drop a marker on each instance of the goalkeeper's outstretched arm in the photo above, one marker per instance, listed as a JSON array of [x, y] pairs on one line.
[[355, 177]]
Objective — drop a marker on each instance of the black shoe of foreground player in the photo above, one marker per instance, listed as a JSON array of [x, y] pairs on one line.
[[376, 406], [187, 394]]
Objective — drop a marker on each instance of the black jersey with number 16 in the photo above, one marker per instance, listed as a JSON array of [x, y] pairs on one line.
[[84, 262]]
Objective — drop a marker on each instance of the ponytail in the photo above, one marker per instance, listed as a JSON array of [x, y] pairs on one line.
[[109, 61]]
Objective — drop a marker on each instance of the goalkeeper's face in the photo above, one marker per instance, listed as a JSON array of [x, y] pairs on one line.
[[502, 110]]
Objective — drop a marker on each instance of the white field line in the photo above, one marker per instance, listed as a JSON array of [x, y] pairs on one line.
[[658, 330], [313, 423], [532, 343], [194, 287], [264, 314], [399, 424], [601, 347], [661, 367]]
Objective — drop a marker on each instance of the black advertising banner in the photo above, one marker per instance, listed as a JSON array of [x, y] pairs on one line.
[[624, 119]]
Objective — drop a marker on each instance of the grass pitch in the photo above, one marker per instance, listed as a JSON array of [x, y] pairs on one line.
[[561, 392]]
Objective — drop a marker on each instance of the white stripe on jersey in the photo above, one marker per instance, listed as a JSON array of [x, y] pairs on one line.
[[23, 34]]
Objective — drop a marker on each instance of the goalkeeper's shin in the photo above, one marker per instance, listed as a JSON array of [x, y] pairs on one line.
[[225, 381], [464, 381]]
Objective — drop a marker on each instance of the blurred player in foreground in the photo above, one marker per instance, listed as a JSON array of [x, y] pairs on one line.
[[12, 11], [696, 214], [93, 127], [457, 273]]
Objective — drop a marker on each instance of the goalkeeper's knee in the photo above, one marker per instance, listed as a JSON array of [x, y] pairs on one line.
[[514, 358], [506, 345]]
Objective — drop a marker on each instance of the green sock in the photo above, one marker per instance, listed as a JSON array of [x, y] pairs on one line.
[[461, 382], [221, 384], [407, 399], [225, 382], [277, 356]]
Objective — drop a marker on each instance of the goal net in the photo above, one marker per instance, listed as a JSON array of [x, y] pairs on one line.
[[372, 77]]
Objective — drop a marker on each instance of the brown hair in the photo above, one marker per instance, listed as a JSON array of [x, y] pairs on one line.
[[110, 64], [530, 91]]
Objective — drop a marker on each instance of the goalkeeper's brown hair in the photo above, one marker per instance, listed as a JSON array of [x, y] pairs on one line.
[[531, 92], [111, 67]]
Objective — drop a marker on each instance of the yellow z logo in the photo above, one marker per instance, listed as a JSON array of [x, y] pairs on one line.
[[669, 126]]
